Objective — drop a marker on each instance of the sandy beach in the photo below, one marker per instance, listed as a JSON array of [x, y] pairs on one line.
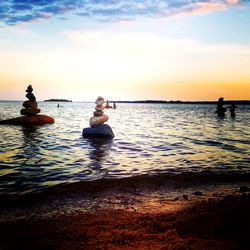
[[154, 215]]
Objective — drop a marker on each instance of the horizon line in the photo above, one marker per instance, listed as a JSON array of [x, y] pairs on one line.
[[142, 100]]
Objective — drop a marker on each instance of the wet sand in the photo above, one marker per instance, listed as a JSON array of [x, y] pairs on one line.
[[142, 217]]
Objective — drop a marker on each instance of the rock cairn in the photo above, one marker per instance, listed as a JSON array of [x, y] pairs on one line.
[[29, 114], [97, 129], [30, 106], [99, 117]]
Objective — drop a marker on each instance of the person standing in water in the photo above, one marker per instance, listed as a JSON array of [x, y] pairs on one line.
[[220, 109], [232, 110]]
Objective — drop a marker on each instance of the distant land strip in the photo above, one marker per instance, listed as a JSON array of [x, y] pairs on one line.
[[58, 100], [187, 102]]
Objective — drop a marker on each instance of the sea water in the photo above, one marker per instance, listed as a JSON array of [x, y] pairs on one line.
[[150, 139]]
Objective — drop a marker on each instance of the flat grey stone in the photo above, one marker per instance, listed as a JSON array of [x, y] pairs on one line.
[[102, 131]]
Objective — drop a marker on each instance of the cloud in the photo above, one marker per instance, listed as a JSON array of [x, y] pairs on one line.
[[13, 12]]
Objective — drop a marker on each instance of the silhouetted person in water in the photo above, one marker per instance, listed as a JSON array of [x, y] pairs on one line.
[[220, 109], [232, 110]]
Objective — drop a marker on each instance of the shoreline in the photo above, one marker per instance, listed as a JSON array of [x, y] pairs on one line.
[[156, 215], [239, 102], [167, 182]]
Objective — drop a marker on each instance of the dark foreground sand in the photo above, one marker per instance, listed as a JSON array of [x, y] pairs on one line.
[[124, 220]]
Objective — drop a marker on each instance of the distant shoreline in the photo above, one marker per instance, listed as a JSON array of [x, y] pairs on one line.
[[146, 101], [57, 100], [185, 102]]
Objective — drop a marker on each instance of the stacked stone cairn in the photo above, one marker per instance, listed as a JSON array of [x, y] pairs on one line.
[[30, 106], [29, 113], [99, 117], [97, 129]]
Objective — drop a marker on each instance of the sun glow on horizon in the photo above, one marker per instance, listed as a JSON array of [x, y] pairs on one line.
[[132, 61]]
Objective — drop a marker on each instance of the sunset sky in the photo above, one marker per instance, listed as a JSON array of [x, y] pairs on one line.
[[125, 50]]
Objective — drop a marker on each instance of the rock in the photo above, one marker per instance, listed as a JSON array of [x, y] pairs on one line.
[[102, 131], [98, 113], [198, 193], [244, 189], [31, 96], [185, 197], [99, 101], [29, 89], [29, 104], [97, 120], [29, 120], [30, 111], [99, 108]]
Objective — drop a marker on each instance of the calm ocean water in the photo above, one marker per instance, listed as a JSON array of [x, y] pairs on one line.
[[149, 139]]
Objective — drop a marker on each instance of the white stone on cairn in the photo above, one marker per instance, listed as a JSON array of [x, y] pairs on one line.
[[98, 118]]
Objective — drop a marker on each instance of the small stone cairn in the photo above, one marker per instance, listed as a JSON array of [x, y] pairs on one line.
[[99, 117], [29, 113], [30, 106], [97, 129]]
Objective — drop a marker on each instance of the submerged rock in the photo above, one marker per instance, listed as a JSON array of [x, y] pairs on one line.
[[29, 120], [102, 131]]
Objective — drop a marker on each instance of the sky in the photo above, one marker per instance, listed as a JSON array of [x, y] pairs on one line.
[[125, 50]]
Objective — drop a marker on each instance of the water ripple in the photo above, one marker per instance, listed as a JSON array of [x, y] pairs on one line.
[[148, 139]]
